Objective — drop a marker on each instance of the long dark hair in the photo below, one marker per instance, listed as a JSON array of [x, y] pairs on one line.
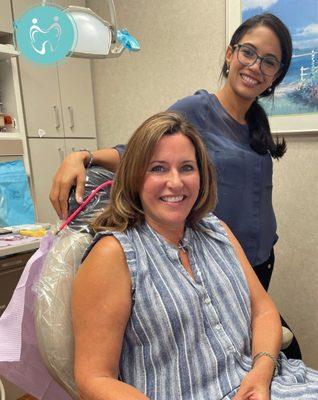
[[261, 139]]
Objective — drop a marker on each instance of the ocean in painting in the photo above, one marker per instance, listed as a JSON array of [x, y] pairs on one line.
[[298, 93]]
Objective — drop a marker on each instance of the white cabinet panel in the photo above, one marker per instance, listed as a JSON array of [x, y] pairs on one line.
[[41, 99], [6, 17], [45, 157], [77, 98]]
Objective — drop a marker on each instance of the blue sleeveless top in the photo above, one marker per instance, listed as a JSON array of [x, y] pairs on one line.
[[190, 339]]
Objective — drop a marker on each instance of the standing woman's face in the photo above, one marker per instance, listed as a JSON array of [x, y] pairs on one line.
[[248, 82]]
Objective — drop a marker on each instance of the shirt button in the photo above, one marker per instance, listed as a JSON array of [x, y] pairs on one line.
[[207, 300]]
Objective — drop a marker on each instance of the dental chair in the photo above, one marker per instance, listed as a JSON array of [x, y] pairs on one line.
[[53, 306], [52, 318]]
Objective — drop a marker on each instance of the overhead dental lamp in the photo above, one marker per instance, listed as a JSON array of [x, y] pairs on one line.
[[96, 38]]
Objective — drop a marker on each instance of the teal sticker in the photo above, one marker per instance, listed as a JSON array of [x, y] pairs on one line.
[[45, 34]]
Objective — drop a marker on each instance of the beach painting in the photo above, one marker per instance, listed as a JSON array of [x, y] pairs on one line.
[[298, 93]]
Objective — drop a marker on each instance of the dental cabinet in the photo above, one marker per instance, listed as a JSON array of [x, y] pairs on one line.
[[58, 99], [59, 114], [56, 129]]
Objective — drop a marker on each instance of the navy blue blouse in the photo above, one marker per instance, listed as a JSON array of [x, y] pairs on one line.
[[244, 177]]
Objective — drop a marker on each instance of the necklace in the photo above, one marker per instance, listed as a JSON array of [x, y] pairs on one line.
[[182, 246]]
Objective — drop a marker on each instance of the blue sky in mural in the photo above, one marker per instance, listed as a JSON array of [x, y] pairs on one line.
[[299, 91]]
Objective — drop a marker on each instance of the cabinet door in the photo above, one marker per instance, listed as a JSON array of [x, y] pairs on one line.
[[46, 156], [41, 99], [80, 144], [6, 17], [77, 98], [40, 89]]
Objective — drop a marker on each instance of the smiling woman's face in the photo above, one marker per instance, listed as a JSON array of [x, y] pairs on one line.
[[250, 82], [171, 184]]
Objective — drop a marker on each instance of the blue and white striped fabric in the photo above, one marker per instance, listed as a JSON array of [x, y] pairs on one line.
[[191, 339]]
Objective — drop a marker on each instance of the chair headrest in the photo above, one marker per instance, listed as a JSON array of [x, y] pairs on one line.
[[94, 177]]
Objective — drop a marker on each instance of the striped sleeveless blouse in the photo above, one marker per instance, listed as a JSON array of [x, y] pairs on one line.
[[191, 339]]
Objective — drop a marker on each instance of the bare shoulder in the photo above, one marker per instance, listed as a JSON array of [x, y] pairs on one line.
[[105, 264], [107, 249], [107, 245]]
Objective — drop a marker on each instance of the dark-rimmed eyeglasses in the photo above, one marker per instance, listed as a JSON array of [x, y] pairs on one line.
[[247, 56]]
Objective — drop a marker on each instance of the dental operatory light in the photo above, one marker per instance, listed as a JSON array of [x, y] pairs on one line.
[[46, 34], [96, 38]]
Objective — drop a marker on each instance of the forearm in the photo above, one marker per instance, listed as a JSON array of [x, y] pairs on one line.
[[107, 158], [266, 337], [106, 388]]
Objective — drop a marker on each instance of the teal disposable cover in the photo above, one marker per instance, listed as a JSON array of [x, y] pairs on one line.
[[16, 205]]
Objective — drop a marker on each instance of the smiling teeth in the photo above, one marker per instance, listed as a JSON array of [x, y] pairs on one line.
[[172, 199], [249, 80]]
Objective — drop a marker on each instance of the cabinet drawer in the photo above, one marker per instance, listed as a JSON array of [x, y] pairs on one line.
[[11, 268], [10, 147], [14, 261], [8, 282]]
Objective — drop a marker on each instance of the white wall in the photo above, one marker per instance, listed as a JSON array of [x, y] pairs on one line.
[[179, 54], [182, 48], [294, 285]]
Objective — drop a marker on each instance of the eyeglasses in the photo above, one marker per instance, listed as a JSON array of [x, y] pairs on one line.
[[248, 57]]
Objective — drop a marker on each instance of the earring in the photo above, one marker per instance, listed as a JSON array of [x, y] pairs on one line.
[[227, 70], [269, 90]]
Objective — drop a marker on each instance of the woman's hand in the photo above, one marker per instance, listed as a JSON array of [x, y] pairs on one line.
[[71, 172], [253, 387]]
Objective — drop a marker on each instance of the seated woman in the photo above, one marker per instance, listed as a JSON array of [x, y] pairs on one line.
[[166, 305]]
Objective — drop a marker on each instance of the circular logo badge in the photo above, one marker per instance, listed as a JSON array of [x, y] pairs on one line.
[[45, 34]]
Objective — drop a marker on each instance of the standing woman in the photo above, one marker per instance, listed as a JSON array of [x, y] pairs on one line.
[[236, 132]]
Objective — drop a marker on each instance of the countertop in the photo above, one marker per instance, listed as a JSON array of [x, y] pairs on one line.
[[20, 248]]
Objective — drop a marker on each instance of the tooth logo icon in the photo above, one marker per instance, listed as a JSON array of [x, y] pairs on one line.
[[45, 40], [45, 34]]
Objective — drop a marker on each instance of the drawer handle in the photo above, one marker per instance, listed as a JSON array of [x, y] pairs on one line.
[[61, 154], [57, 117], [71, 114]]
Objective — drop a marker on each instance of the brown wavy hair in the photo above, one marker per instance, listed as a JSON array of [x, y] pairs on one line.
[[125, 210]]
